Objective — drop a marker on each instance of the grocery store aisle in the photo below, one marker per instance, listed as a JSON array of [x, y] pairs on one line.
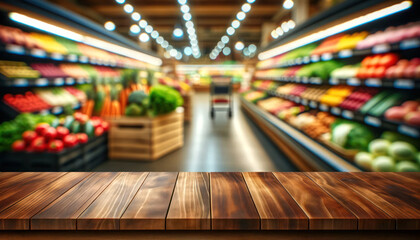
[[215, 146]]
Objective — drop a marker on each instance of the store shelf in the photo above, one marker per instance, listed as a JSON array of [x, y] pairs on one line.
[[72, 58], [8, 110], [47, 82], [373, 121], [319, 150]]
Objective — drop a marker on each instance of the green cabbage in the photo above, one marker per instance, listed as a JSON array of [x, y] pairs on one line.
[[351, 135]]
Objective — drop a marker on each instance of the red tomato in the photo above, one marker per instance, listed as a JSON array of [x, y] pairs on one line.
[[105, 126], [50, 133], [55, 146], [379, 72], [29, 136], [388, 60], [18, 146], [70, 140], [366, 61], [82, 137], [41, 127], [99, 131], [62, 132], [38, 144], [375, 60]]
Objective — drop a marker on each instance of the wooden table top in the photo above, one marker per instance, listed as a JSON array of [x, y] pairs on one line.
[[209, 201]]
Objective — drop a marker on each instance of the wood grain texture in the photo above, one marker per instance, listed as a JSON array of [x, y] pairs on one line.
[[64, 211], [406, 218], [6, 176], [20, 186], [105, 212], [190, 205], [17, 217], [369, 216], [323, 211], [232, 207], [149, 207], [277, 209]]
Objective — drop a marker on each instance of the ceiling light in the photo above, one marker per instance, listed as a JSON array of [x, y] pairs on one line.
[[144, 37], [135, 16], [240, 16], [189, 24], [239, 45], [252, 48], [226, 51], [197, 55], [182, 2], [220, 44], [274, 34], [173, 52], [149, 29], [128, 8], [185, 8], [194, 42], [178, 33], [225, 39], [188, 51], [250, 1], [154, 34], [165, 44], [236, 23], [279, 31], [135, 29], [169, 48], [110, 26], [291, 24], [178, 56], [285, 27], [187, 16], [159, 40], [246, 52], [191, 31], [288, 4], [246, 7], [336, 29], [143, 23], [230, 31], [120, 1], [192, 37]]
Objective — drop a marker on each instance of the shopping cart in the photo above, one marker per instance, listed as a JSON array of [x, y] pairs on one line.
[[221, 95]]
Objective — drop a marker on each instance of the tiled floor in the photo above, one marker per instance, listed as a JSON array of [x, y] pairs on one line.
[[218, 145]]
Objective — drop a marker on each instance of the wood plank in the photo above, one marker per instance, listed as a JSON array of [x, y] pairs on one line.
[[149, 207], [277, 209], [190, 205], [6, 176], [324, 212], [22, 185], [105, 212], [17, 216], [405, 217], [232, 207], [64, 211], [369, 216], [393, 186]]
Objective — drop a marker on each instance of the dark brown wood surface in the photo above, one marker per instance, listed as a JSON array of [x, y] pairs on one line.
[[64, 211], [232, 207], [209, 201], [190, 205], [368, 214], [277, 209], [105, 212], [17, 216], [324, 212], [148, 209]]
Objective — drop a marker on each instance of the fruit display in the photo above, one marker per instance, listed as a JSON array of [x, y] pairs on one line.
[[264, 84], [408, 112], [358, 98], [180, 86], [13, 69], [274, 104], [74, 70], [391, 152], [254, 96], [381, 102], [336, 95], [314, 125], [351, 135], [48, 70], [28, 102], [405, 69], [56, 96]]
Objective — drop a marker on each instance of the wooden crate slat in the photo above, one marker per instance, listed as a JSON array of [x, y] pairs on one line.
[[324, 212], [105, 212], [232, 207], [17, 217], [130, 146], [277, 209], [190, 205], [173, 132], [370, 217], [64, 211], [148, 209], [167, 150], [130, 133], [166, 128]]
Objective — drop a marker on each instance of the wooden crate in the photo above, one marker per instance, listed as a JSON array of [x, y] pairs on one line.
[[143, 138], [187, 107]]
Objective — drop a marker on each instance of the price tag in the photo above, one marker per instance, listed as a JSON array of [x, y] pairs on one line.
[[353, 82], [315, 80], [80, 80], [373, 82], [59, 81], [347, 114], [41, 82], [57, 56], [44, 112], [304, 102], [306, 59], [72, 58], [56, 110], [323, 107], [315, 58], [336, 111], [15, 49], [38, 53], [404, 83], [298, 61], [373, 121], [70, 81], [296, 79], [345, 53], [381, 48], [410, 43], [326, 56], [83, 59], [313, 104], [409, 131], [305, 80], [20, 82], [334, 81], [297, 99], [93, 61]]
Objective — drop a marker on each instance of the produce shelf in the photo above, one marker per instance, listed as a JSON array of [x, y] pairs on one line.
[[370, 82], [12, 113], [407, 44], [373, 121], [46, 82]]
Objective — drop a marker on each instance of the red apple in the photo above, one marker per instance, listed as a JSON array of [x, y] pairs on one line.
[[411, 105], [396, 113]]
